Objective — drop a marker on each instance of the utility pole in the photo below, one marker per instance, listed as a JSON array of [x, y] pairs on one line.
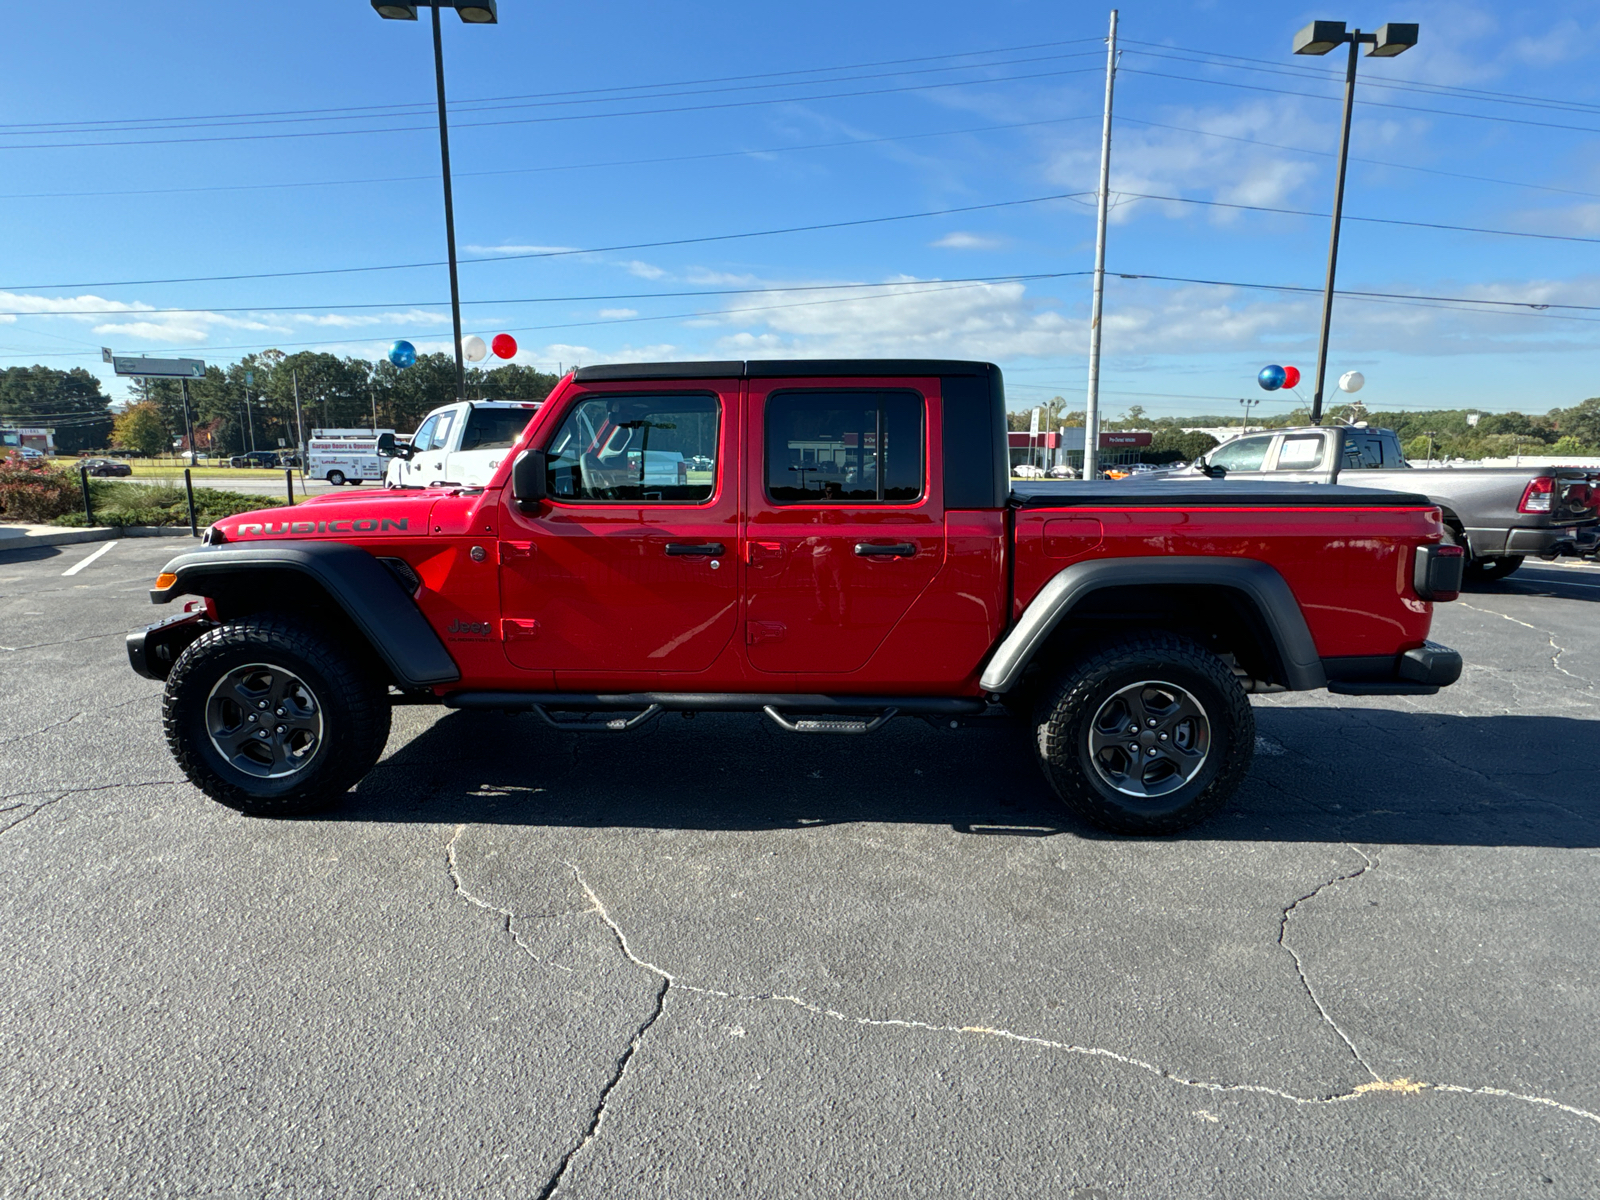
[[299, 425], [449, 206], [1248, 405], [1091, 409], [188, 426], [373, 396]]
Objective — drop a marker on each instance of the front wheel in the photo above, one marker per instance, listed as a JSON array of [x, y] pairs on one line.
[[1147, 734], [336, 478], [272, 717]]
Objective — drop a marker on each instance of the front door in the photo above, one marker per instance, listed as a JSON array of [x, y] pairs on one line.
[[630, 566], [844, 530]]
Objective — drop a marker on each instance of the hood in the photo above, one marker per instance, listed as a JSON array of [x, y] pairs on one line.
[[339, 518]]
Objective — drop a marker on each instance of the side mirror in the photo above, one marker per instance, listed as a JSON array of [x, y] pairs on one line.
[[1213, 472], [389, 448], [528, 478]]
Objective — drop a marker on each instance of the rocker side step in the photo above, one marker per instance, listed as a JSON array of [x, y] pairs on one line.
[[602, 713]]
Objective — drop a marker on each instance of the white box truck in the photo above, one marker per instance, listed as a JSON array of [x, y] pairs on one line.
[[345, 455]]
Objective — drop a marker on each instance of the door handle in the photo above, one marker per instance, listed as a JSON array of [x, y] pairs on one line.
[[679, 549], [758, 552], [895, 550]]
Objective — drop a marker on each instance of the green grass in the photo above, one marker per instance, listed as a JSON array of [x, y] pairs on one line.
[[171, 470], [120, 503]]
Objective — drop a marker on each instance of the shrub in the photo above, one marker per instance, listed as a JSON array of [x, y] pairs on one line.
[[119, 504], [34, 491]]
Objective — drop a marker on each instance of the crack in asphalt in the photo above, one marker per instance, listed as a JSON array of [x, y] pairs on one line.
[[1377, 1086], [43, 729], [1555, 659], [62, 793], [599, 1114], [88, 637], [509, 925], [1283, 928]]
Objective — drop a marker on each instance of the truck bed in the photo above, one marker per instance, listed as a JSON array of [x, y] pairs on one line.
[[1068, 493]]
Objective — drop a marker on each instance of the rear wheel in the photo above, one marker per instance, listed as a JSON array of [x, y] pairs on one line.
[[1487, 570], [272, 717], [1148, 734]]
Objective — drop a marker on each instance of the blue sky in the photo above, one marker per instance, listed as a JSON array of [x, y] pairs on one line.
[[136, 150]]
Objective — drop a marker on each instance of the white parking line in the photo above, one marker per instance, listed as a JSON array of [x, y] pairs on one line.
[[76, 567]]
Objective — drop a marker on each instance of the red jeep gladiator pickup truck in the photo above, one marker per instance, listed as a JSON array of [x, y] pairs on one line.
[[828, 543]]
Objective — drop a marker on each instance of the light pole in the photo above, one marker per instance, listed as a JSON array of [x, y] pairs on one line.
[[1319, 37], [1248, 405], [478, 12]]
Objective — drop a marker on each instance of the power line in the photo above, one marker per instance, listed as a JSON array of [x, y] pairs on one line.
[[1442, 112], [626, 162], [810, 287], [1538, 306], [427, 105], [1296, 212], [483, 106], [257, 137], [1376, 162], [1447, 91], [721, 237]]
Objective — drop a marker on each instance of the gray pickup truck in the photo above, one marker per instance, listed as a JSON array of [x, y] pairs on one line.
[[1499, 515]]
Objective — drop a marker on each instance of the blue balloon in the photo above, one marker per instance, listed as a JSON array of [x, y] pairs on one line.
[[1271, 378], [403, 354]]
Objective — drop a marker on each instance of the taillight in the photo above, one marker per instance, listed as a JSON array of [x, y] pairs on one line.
[[1538, 496], [1438, 571]]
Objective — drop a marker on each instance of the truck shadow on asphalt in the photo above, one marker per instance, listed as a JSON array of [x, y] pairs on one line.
[[1321, 774], [1562, 583]]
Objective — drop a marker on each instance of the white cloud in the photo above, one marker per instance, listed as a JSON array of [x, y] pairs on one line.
[[644, 270], [967, 241], [613, 314]]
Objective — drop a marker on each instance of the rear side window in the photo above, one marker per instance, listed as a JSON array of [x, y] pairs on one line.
[[617, 449], [1300, 453], [494, 428], [844, 447], [1243, 454]]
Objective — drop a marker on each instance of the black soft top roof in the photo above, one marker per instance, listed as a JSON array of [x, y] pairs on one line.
[[773, 368], [1245, 493]]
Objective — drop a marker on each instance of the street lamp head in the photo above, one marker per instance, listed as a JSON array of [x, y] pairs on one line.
[[483, 12], [1392, 39], [1319, 37], [395, 12]]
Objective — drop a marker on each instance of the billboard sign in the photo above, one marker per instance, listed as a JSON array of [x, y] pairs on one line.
[[159, 368]]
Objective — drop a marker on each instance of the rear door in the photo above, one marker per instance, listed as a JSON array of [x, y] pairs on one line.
[[845, 525], [621, 571]]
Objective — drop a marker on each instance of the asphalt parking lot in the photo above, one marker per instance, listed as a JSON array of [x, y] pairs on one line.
[[712, 959]]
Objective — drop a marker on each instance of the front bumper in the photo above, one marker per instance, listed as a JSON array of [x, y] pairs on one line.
[[1419, 672], [153, 650]]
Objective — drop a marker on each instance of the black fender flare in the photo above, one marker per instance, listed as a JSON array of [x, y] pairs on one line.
[[357, 582], [1258, 582]]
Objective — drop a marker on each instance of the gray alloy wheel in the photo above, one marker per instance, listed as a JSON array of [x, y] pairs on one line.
[[336, 478], [1149, 738], [264, 720]]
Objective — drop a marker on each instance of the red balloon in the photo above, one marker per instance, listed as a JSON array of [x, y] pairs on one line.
[[1291, 376], [504, 345]]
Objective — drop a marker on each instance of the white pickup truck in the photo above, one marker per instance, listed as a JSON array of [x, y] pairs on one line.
[[459, 444]]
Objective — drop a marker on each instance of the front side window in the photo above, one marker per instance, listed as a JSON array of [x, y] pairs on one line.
[[1300, 453], [1244, 454], [1363, 454], [423, 440], [844, 447], [616, 449]]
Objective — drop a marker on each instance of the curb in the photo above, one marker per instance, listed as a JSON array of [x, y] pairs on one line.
[[73, 537]]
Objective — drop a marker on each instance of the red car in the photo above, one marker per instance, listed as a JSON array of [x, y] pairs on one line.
[[831, 544]]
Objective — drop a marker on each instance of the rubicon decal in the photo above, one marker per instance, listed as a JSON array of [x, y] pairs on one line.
[[364, 525]]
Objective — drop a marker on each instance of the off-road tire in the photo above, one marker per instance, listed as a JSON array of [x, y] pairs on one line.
[[1487, 570], [1066, 709], [350, 701]]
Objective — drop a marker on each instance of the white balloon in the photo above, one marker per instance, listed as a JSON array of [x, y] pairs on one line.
[[1352, 381], [472, 348]]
